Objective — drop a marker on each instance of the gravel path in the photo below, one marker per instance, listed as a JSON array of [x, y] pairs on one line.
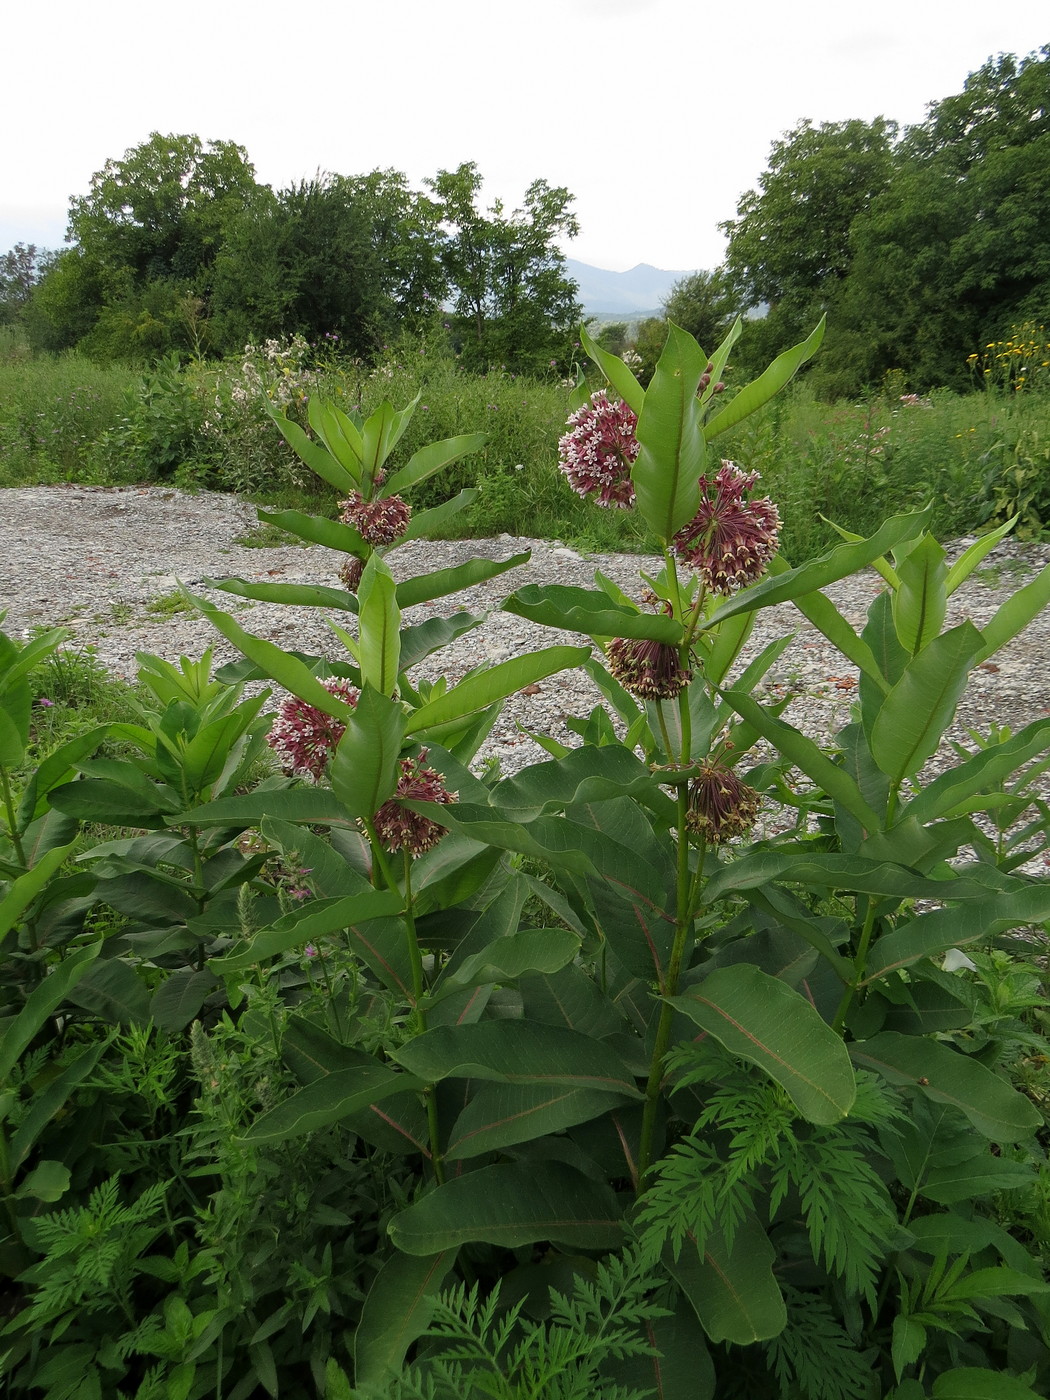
[[103, 561]]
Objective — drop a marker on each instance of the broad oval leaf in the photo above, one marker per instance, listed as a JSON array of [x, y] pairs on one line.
[[515, 1052], [395, 1312], [590, 612], [733, 1290], [765, 1021], [947, 1076], [672, 448], [495, 683], [768, 383], [509, 1205], [500, 1115], [329, 1099]]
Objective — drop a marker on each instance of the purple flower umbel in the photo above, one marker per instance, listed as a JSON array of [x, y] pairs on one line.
[[304, 737], [400, 829], [599, 450], [651, 670], [721, 805], [377, 522], [731, 538]]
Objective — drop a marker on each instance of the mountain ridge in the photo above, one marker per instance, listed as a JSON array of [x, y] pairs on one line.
[[640, 290]]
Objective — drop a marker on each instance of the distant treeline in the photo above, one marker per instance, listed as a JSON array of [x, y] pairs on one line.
[[177, 247], [922, 246]]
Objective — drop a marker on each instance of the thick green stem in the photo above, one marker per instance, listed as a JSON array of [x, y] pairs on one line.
[[418, 992], [668, 988], [859, 964], [12, 821]]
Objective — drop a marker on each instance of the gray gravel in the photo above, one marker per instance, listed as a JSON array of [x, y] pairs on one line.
[[96, 559]]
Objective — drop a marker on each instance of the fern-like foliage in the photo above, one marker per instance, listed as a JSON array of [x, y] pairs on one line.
[[90, 1253], [482, 1353], [750, 1151], [814, 1356]]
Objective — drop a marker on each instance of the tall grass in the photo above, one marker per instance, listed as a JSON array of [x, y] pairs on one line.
[[55, 415], [978, 458]]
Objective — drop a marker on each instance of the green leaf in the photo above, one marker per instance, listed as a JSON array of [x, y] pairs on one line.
[[921, 705], [432, 523], [964, 566], [671, 445], [584, 775], [312, 806], [615, 371], [317, 919], [424, 638], [306, 595], [113, 990], [975, 1383], [431, 459], [826, 618], [921, 599], [931, 934], [768, 384], [837, 563], [589, 611], [275, 662], [515, 1052], [733, 1291], [48, 1181], [496, 683], [42, 1001], [321, 462], [509, 1205], [500, 1115], [179, 998], [947, 1076], [396, 1312], [50, 1100], [1015, 615], [379, 647], [328, 1100], [505, 959], [424, 588], [682, 1369], [981, 774], [768, 1023], [334, 534], [22, 891], [364, 769], [806, 755]]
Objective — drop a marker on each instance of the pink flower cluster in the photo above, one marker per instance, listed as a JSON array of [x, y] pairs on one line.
[[599, 450], [401, 829], [731, 538], [377, 522], [304, 737]]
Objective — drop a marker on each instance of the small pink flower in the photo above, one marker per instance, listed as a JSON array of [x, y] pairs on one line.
[[377, 522], [731, 538], [350, 573], [721, 805], [304, 737], [401, 829], [597, 453], [651, 670]]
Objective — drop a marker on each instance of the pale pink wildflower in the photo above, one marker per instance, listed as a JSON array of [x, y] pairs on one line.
[[598, 451], [731, 538], [304, 737]]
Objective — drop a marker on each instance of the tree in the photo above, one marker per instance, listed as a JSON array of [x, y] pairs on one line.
[[356, 257], [705, 305], [514, 304], [162, 210], [791, 236], [957, 248], [21, 268]]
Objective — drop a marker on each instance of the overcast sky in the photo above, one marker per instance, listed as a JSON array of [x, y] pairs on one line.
[[656, 114]]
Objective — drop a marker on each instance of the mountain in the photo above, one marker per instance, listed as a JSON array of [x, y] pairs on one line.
[[640, 291]]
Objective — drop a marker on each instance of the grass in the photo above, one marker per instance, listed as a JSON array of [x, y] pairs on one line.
[[976, 458]]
